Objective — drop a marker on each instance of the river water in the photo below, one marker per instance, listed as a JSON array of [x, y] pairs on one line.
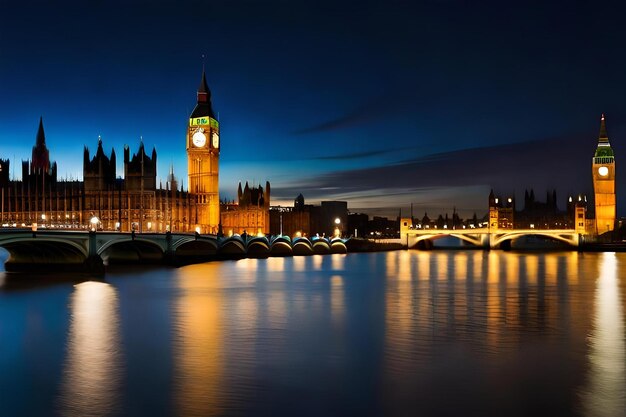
[[405, 333]]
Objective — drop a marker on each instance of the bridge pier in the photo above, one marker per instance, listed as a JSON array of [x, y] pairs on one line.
[[94, 263], [170, 254]]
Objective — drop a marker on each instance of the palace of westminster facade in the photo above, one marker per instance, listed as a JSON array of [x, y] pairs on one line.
[[134, 202]]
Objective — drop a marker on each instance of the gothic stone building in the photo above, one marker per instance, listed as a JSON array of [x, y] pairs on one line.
[[134, 201]]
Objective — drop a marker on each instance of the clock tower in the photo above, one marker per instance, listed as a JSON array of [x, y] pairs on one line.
[[603, 171], [203, 154]]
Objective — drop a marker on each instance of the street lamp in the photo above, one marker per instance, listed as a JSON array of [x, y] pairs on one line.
[[94, 223], [337, 231]]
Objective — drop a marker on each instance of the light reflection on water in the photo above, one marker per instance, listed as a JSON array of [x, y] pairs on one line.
[[605, 394], [199, 345], [93, 367], [467, 333]]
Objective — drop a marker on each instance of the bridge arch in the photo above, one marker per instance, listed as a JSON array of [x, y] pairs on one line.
[[504, 240], [131, 251], [258, 247], [321, 246], [337, 245], [302, 246], [35, 253], [425, 240], [281, 246], [232, 247]]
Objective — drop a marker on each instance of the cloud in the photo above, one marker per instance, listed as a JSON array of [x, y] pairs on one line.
[[374, 109], [561, 163], [357, 155]]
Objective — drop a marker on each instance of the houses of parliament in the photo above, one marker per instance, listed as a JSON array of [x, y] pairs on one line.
[[134, 202]]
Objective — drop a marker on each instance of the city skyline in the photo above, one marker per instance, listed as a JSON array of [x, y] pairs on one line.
[[331, 111]]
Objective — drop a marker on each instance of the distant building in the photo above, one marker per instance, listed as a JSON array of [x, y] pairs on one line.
[[536, 214], [299, 220], [251, 213], [328, 219], [358, 224]]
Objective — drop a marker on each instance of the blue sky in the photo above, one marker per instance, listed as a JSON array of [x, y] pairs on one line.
[[383, 104]]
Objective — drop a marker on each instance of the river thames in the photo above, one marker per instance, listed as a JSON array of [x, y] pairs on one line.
[[404, 333]]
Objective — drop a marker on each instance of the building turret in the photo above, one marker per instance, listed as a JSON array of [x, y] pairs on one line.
[[138, 167], [40, 160], [99, 172], [203, 106]]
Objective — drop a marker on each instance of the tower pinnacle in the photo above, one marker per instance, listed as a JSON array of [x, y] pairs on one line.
[[603, 137], [203, 108], [40, 155]]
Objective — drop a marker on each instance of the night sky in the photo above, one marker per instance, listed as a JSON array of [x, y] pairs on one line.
[[382, 104]]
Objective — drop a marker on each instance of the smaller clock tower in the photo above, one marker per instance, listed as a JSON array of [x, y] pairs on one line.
[[603, 171], [203, 153]]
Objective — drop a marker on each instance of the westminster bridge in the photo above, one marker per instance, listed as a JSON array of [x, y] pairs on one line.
[[84, 250], [485, 237]]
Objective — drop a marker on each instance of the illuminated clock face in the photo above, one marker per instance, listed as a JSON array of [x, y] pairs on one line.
[[198, 138], [216, 140], [603, 171]]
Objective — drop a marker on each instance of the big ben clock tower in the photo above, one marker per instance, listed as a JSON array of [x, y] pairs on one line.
[[604, 182], [203, 154]]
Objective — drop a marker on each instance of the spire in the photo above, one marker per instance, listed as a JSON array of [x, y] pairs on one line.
[[40, 155], [604, 147], [203, 108], [603, 137], [41, 137], [203, 88]]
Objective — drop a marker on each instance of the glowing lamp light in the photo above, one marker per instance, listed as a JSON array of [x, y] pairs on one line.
[[337, 220], [510, 200], [298, 234], [94, 223], [43, 217], [198, 229]]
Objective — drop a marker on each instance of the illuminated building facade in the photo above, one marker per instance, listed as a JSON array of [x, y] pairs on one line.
[[328, 219], [603, 172], [251, 213], [134, 202], [125, 204], [203, 153], [538, 215], [501, 212]]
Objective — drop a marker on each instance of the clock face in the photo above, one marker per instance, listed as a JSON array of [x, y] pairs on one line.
[[198, 139], [216, 140], [603, 171]]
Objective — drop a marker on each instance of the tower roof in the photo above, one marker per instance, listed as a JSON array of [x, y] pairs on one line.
[[203, 108], [41, 137], [204, 88], [604, 147], [603, 137]]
